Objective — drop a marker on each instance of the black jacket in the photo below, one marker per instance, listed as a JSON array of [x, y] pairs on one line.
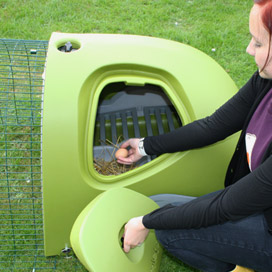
[[246, 192]]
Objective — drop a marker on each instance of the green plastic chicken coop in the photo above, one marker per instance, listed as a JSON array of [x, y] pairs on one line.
[[101, 86]]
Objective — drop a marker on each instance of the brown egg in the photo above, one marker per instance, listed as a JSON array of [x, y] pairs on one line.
[[121, 152]]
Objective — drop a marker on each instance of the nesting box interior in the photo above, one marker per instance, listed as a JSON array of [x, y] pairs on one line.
[[131, 111]]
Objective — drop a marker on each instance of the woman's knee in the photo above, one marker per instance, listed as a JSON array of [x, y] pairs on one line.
[[161, 237]]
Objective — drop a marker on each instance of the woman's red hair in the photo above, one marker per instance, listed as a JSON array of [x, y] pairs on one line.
[[266, 16]]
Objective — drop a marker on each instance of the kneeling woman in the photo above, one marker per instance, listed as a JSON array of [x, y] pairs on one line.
[[232, 226]]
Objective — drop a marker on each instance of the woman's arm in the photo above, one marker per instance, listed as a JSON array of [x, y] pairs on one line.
[[228, 119], [251, 194]]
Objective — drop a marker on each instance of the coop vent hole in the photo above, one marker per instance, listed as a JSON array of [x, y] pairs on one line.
[[69, 47]]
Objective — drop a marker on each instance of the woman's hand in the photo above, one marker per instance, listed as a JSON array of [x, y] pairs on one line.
[[133, 152], [135, 233]]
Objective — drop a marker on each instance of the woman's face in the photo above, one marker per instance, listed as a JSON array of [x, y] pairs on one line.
[[259, 44]]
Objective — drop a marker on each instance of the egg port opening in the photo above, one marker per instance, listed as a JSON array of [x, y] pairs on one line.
[[126, 112]]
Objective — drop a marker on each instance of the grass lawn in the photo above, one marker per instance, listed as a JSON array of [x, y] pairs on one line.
[[217, 27], [204, 24]]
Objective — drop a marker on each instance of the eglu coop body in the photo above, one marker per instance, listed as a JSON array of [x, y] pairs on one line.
[[102, 86], [99, 87]]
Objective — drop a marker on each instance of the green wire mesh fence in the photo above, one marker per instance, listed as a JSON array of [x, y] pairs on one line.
[[21, 222]]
